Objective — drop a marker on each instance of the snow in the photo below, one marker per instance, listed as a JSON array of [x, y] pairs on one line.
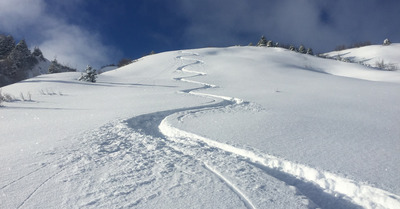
[[370, 54], [237, 127]]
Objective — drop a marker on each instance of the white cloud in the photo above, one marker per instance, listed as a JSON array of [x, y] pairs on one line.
[[71, 44], [16, 14]]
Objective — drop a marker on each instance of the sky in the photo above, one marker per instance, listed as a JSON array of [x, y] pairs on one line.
[[101, 32]]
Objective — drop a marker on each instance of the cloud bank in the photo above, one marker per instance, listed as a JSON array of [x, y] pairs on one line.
[[45, 26]]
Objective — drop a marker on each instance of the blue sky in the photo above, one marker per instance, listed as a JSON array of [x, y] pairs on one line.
[[100, 32]]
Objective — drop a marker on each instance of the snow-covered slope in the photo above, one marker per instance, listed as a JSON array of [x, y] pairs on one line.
[[238, 127], [371, 55]]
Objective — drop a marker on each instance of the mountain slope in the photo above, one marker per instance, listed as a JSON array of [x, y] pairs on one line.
[[238, 127], [371, 55]]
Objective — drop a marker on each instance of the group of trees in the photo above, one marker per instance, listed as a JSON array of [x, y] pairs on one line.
[[56, 67], [263, 42], [16, 61]]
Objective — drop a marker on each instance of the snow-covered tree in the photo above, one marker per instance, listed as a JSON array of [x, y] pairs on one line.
[[20, 55], [302, 49], [56, 67], [270, 43], [386, 42], [90, 75], [37, 53], [310, 51], [262, 41], [291, 48], [7, 44]]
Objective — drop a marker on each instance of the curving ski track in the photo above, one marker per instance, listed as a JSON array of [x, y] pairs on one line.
[[129, 163]]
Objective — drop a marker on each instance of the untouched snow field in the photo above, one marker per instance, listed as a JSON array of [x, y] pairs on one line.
[[370, 55], [238, 127]]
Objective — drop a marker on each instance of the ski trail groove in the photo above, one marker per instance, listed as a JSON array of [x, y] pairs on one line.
[[247, 202], [22, 177], [39, 186], [363, 195]]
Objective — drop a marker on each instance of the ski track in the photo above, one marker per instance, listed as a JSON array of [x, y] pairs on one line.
[[39, 186], [245, 199], [132, 162]]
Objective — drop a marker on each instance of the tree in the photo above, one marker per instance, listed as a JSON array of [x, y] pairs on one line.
[[386, 42], [291, 48], [7, 44], [302, 49], [124, 61], [37, 53], [20, 54], [90, 75], [56, 67], [270, 43], [310, 51], [262, 41]]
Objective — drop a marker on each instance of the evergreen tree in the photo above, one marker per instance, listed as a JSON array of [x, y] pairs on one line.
[[386, 42], [262, 41], [20, 54], [310, 51], [7, 44], [90, 75], [54, 67], [291, 48], [124, 61], [270, 43], [37, 53], [302, 49]]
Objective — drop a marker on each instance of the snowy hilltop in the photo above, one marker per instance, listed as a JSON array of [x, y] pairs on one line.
[[384, 57], [236, 127]]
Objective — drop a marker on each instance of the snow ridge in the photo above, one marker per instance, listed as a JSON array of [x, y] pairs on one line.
[[363, 195]]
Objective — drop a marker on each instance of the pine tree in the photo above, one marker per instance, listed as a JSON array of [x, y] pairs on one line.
[[302, 49], [291, 48], [270, 43], [90, 75], [38, 53], [310, 51], [7, 44], [386, 42], [54, 66], [20, 55], [262, 41]]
